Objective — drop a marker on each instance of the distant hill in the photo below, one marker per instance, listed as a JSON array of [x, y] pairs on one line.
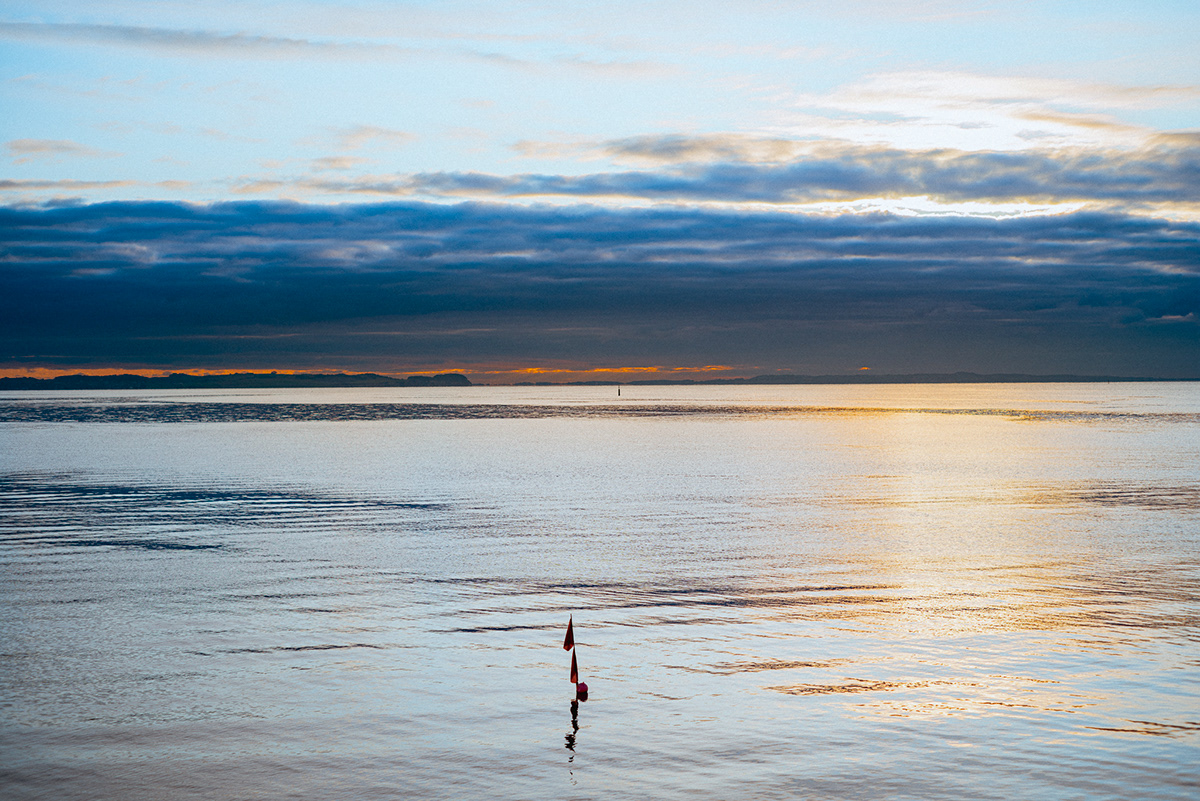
[[233, 381], [872, 378]]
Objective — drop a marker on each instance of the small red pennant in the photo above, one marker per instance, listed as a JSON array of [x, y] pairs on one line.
[[569, 642], [574, 669]]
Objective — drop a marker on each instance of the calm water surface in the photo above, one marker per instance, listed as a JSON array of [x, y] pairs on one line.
[[828, 592]]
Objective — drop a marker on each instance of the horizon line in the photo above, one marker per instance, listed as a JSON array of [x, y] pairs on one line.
[[113, 376]]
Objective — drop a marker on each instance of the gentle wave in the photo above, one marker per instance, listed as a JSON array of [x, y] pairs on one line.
[[60, 510], [100, 412]]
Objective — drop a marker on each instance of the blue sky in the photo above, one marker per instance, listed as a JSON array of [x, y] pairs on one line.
[[673, 116]]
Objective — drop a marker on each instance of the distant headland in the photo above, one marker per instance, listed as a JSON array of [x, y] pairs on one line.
[[80, 381], [233, 381]]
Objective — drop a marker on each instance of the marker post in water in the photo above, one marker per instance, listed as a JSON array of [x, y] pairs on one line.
[[581, 689]]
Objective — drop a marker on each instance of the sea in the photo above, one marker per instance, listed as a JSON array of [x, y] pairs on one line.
[[950, 591]]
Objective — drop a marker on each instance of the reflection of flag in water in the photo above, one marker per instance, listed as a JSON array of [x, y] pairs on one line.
[[569, 642], [574, 669]]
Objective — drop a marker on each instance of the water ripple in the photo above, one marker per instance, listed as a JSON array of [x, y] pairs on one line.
[[232, 412]]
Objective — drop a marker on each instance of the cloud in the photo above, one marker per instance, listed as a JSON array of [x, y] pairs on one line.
[[962, 90], [27, 185], [1165, 172], [1088, 121], [23, 151], [204, 43], [729, 147], [671, 148], [328, 163], [922, 109], [360, 136], [181, 42], [361, 286], [1163, 175], [625, 68]]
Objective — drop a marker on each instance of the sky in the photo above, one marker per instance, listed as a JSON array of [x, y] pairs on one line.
[[602, 190]]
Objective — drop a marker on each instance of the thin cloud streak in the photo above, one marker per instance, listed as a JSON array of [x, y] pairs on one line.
[[23, 151], [212, 44], [209, 43], [359, 136], [28, 185]]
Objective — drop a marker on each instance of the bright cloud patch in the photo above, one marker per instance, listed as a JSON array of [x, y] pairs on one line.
[[979, 112]]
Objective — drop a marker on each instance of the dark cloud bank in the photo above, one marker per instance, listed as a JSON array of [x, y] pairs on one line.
[[399, 286]]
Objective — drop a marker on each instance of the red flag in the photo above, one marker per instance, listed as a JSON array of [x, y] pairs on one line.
[[569, 642], [574, 669]]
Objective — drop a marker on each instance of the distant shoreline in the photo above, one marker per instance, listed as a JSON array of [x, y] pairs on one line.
[[232, 381], [350, 380]]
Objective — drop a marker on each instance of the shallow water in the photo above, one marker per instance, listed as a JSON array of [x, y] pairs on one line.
[[911, 591]]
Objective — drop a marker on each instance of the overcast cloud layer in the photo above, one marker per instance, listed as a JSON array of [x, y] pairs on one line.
[[397, 287]]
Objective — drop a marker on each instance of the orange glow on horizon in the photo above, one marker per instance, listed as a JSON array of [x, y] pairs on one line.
[[616, 373], [652, 369]]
